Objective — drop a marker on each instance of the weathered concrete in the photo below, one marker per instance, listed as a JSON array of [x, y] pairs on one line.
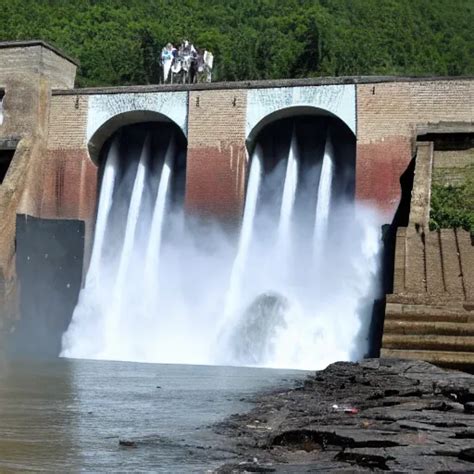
[[430, 313], [28, 72], [433, 284], [390, 116], [421, 192]]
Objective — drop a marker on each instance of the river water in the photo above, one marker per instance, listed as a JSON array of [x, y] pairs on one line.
[[69, 415]]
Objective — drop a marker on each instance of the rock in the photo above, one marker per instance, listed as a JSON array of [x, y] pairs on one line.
[[412, 416], [371, 461], [467, 455], [244, 467], [469, 407], [127, 443]]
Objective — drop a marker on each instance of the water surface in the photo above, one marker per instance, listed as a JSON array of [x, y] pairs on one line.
[[68, 415]]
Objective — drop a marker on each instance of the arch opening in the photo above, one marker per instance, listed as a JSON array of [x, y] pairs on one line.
[[309, 135], [142, 173], [118, 122], [292, 112], [304, 278]]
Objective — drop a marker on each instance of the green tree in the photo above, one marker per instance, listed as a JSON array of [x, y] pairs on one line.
[[119, 41]]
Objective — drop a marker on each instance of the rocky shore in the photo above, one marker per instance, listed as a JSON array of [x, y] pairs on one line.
[[379, 415]]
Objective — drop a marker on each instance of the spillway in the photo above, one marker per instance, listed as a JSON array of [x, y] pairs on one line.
[[287, 202], [165, 287], [314, 258], [113, 343], [245, 239], [125, 261], [323, 203], [152, 257], [105, 203]]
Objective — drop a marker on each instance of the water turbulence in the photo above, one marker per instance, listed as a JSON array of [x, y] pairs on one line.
[[294, 290], [310, 278]]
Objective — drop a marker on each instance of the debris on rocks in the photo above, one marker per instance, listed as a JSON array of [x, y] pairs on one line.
[[127, 443]]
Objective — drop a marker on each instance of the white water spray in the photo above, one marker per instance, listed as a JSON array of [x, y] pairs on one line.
[[288, 201], [240, 262], [167, 296], [152, 263], [323, 204], [112, 323], [105, 203]]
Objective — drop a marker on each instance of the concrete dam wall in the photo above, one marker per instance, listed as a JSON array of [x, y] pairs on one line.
[[52, 137]]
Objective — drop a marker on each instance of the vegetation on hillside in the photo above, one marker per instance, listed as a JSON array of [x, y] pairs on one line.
[[119, 41], [452, 206]]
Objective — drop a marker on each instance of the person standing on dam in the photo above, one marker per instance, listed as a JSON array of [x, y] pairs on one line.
[[168, 53]]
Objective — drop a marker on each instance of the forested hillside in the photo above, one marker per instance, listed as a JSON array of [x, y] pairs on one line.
[[119, 41]]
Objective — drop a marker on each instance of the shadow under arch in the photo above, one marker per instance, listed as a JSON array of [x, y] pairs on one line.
[[109, 127], [130, 131], [291, 112], [312, 127]]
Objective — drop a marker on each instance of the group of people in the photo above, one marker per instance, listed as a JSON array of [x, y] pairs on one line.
[[186, 64]]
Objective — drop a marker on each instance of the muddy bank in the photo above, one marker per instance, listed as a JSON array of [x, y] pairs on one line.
[[374, 415]]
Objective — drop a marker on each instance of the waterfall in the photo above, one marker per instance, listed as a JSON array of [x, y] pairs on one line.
[[287, 203], [193, 294], [323, 203], [113, 317], [238, 267], [105, 203], [156, 229]]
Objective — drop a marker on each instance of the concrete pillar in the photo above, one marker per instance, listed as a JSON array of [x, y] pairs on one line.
[[217, 155], [421, 192]]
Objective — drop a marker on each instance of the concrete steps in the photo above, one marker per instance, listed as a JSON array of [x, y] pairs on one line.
[[430, 313], [458, 360], [428, 342], [428, 327], [407, 312], [443, 335]]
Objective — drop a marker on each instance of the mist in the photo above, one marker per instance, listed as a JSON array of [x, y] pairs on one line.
[[294, 288]]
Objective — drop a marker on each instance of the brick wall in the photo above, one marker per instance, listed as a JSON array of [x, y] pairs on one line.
[[387, 117], [69, 176], [217, 154]]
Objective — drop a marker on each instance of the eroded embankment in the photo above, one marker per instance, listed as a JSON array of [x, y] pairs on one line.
[[410, 415]]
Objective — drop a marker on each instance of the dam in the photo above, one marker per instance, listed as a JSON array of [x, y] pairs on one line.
[[231, 223]]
